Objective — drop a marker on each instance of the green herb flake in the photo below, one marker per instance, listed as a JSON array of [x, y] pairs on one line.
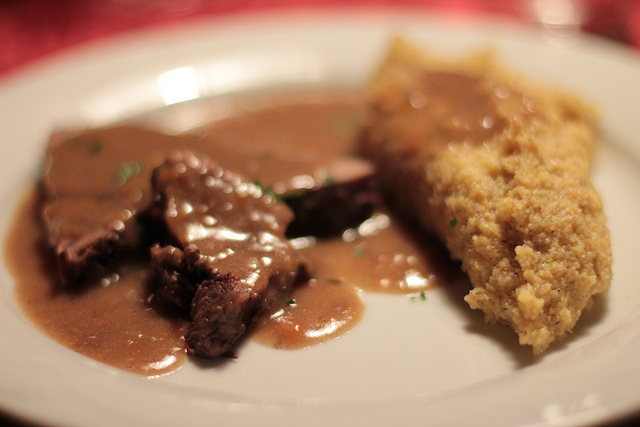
[[421, 296], [267, 190], [359, 252], [126, 171], [334, 281], [291, 301], [95, 146], [452, 223]]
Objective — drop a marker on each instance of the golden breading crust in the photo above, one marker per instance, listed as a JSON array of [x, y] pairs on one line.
[[511, 197]]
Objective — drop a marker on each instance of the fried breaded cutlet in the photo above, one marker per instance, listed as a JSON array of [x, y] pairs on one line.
[[499, 169]]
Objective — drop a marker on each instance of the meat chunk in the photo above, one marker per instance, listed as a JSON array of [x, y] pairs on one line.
[[499, 170], [229, 256], [94, 186], [220, 307], [328, 207]]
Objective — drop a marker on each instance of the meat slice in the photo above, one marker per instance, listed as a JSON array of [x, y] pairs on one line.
[[229, 256], [326, 208], [94, 185]]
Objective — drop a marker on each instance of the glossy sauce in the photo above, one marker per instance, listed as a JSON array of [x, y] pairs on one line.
[[233, 224], [314, 312], [383, 255], [113, 321], [116, 322], [446, 108]]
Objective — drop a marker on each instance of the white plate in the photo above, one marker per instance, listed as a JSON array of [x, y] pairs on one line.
[[431, 362]]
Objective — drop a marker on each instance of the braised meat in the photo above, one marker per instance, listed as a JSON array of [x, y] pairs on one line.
[[345, 199], [94, 186], [229, 256]]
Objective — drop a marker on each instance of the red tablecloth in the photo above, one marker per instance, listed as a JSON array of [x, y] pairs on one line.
[[31, 29]]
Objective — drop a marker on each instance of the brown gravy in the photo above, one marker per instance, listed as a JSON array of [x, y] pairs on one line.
[[116, 322], [383, 255], [317, 311], [461, 107], [112, 322]]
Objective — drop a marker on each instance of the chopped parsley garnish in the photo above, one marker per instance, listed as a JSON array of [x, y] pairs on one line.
[[291, 301], [421, 296], [126, 171], [452, 223], [95, 146], [267, 190], [359, 252]]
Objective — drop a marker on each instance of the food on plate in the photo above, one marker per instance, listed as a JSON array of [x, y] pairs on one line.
[[331, 206], [498, 168], [126, 302], [220, 250], [273, 219], [94, 187], [229, 255]]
